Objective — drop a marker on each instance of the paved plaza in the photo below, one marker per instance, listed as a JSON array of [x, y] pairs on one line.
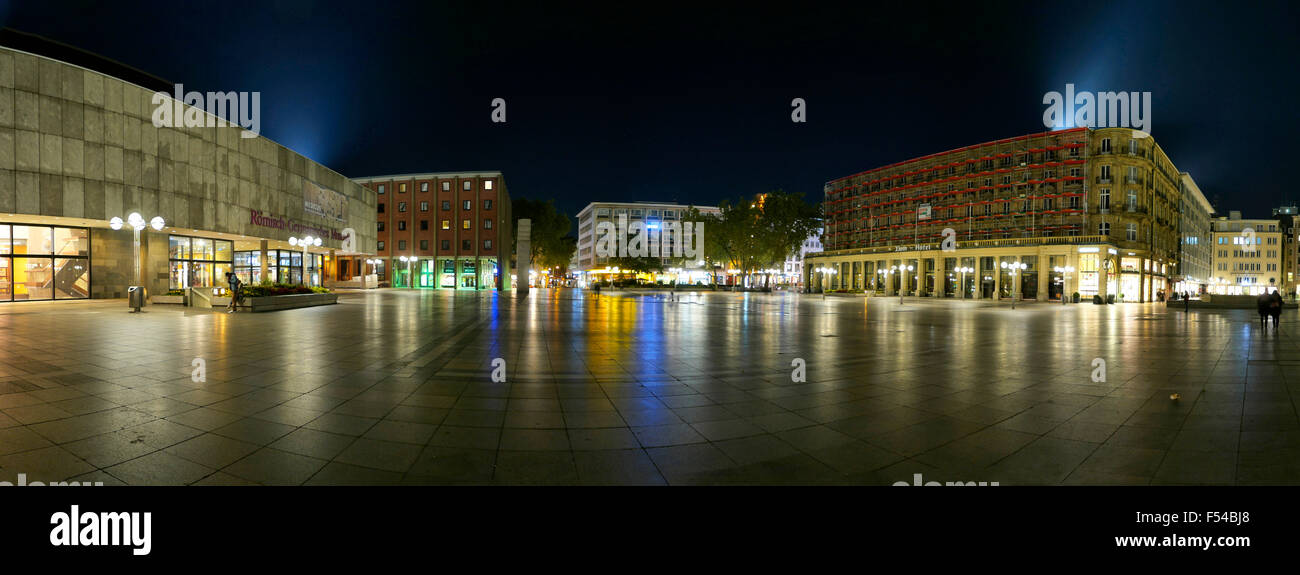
[[396, 386]]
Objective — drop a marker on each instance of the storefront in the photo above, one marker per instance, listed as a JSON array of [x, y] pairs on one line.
[[44, 262]]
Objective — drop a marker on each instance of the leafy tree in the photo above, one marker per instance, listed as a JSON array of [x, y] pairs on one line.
[[785, 222]]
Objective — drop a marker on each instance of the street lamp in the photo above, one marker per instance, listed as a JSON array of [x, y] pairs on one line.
[[305, 243], [1065, 280], [410, 276], [902, 279], [1013, 268], [963, 270], [137, 224]]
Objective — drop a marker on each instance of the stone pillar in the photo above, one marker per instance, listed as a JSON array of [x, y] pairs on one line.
[[262, 260], [523, 240], [334, 269]]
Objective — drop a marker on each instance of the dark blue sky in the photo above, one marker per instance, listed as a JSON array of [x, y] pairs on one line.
[[649, 102]]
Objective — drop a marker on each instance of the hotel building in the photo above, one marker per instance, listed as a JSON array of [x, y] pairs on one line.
[[447, 230], [1104, 202], [653, 214], [79, 147], [1248, 255]]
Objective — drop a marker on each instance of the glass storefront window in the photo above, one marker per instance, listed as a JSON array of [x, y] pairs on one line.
[[195, 262], [33, 278], [178, 248], [71, 241], [29, 271], [33, 240], [71, 278]]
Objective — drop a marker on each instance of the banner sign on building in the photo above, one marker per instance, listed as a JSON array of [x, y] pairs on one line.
[[923, 212], [324, 202]]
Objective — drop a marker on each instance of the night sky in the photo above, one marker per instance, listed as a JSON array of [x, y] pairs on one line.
[[645, 102]]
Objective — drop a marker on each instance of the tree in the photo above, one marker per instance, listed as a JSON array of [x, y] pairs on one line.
[[551, 245], [785, 222]]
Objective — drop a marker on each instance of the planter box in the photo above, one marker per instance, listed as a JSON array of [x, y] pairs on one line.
[[278, 302], [172, 299]]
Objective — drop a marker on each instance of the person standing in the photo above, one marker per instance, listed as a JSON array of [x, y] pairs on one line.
[[232, 280], [1187, 302], [1275, 308]]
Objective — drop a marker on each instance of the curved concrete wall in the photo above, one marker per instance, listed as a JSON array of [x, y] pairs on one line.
[[77, 143]]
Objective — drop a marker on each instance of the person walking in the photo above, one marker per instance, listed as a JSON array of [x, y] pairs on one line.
[[1262, 304], [235, 284], [1187, 302]]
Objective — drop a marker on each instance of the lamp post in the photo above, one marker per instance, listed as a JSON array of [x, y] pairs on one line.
[[373, 263], [137, 224], [963, 270], [902, 279], [1013, 268], [1065, 280], [305, 243], [410, 275]]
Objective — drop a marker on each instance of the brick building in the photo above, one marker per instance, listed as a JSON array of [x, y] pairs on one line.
[[453, 229]]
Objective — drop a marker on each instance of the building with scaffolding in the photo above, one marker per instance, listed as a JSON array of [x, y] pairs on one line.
[[1038, 216]]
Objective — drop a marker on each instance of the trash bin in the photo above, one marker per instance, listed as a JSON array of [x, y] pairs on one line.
[[135, 297]]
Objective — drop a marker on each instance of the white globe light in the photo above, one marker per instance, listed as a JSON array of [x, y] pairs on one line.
[[157, 223], [293, 241], [115, 223], [135, 219], [316, 242]]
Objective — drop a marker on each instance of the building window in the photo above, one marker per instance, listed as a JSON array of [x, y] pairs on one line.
[[446, 244], [446, 224], [468, 205], [424, 186], [487, 224], [31, 267], [1132, 232], [487, 185], [401, 188], [381, 208], [424, 245], [487, 244], [1132, 200], [1105, 145], [424, 206], [424, 225], [464, 224], [380, 246], [1104, 202], [379, 227], [466, 245], [1103, 229], [401, 245], [381, 189], [487, 204], [401, 206], [446, 186], [401, 226], [467, 186], [446, 205], [1105, 173]]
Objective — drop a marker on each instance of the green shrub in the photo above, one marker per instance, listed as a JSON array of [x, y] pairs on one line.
[[266, 288]]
